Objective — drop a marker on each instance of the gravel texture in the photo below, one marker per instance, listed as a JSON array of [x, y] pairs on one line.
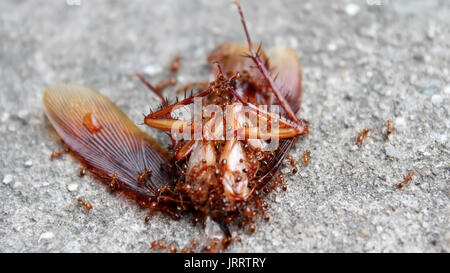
[[364, 62]]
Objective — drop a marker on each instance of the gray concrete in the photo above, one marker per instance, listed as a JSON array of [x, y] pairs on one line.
[[363, 65]]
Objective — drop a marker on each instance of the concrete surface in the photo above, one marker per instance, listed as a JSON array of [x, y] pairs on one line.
[[364, 63]]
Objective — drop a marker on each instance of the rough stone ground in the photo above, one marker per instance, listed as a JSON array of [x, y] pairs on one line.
[[363, 64]]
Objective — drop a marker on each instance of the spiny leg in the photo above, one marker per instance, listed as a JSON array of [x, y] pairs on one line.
[[150, 86], [261, 67]]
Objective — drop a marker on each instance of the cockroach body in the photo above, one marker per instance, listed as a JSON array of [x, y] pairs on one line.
[[224, 156]]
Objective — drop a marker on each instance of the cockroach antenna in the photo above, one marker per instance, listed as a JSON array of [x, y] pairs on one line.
[[261, 67]]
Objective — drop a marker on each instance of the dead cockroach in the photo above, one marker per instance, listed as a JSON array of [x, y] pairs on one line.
[[85, 204], [362, 136], [224, 157], [406, 180]]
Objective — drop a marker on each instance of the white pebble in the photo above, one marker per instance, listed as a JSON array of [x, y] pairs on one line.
[[11, 128], [28, 163], [332, 47], [72, 187], [447, 236], [22, 114], [5, 116], [400, 123], [7, 179], [391, 151], [436, 99], [352, 9], [431, 33], [152, 69], [447, 90], [46, 236]]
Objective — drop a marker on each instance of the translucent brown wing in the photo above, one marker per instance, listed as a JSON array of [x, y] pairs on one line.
[[286, 69], [283, 63], [106, 140]]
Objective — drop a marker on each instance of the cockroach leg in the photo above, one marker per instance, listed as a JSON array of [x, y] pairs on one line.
[[167, 124], [185, 150], [168, 109], [406, 180], [362, 136]]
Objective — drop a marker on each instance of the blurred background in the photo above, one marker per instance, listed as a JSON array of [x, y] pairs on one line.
[[364, 62]]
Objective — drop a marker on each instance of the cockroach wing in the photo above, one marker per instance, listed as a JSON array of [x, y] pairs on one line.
[[106, 140], [232, 59], [286, 69]]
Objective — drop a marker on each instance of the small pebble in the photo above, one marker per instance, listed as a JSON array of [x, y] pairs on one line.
[[400, 123], [72, 187], [4, 117], [352, 9], [437, 99], [332, 47], [7, 179], [447, 90], [428, 91], [364, 232], [447, 236], [391, 151], [152, 70], [431, 33], [46, 236], [22, 114], [11, 128], [28, 163]]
